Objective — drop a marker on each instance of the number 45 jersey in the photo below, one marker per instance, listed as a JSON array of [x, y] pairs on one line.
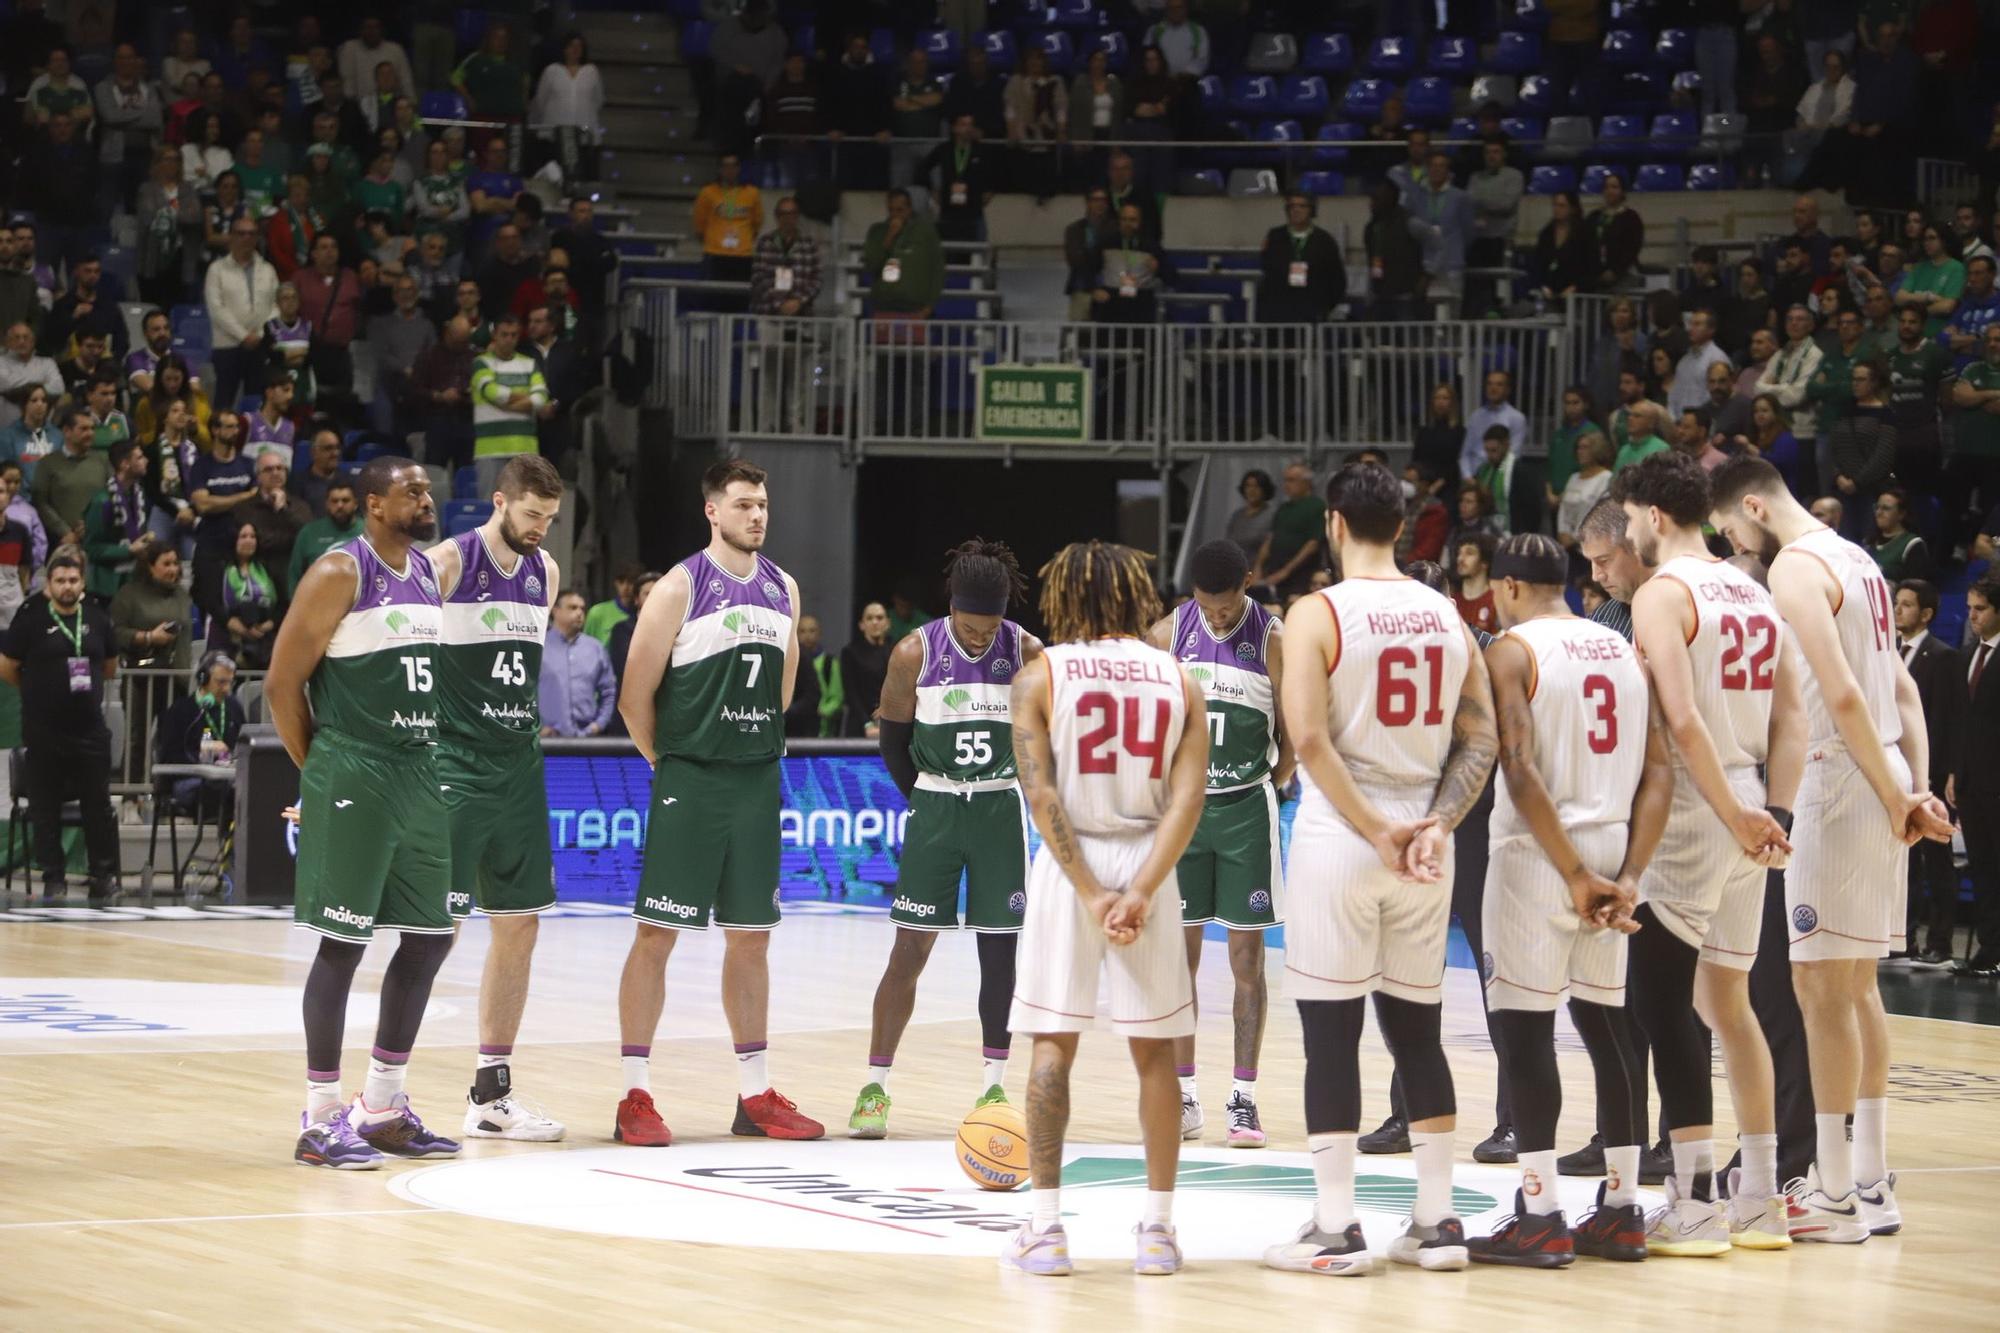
[[964, 736], [494, 625]]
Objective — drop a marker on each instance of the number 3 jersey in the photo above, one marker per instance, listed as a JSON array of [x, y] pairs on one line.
[[1400, 658], [963, 737], [1734, 652], [494, 627], [1116, 711], [721, 700], [1587, 702], [377, 682]]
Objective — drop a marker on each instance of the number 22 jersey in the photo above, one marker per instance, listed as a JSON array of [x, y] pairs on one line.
[[1734, 654]]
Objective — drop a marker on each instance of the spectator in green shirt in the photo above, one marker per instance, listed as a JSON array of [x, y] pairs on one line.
[[1643, 430], [494, 86], [114, 523], [904, 260], [1577, 422], [904, 612], [1297, 544], [1975, 441], [1932, 287], [598, 621], [1900, 552], [316, 538]]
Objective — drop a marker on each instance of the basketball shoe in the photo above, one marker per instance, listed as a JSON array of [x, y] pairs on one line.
[[1323, 1252], [1612, 1231], [334, 1144], [402, 1134], [510, 1117], [1159, 1252], [1245, 1129], [1878, 1207], [1042, 1253], [993, 1096], [1685, 1227], [639, 1122], [1526, 1240], [1439, 1248], [772, 1115], [1191, 1117], [1756, 1224], [870, 1118], [1816, 1215]]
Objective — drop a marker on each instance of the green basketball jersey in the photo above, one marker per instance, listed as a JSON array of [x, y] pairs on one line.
[[377, 682], [963, 733], [722, 697], [1236, 687], [491, 655]]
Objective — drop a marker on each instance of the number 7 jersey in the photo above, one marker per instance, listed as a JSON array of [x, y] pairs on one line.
[[1400, 658], [494, 627], [1117, 708], [721, 700]]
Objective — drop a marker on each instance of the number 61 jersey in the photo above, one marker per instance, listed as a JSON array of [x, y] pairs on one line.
[[494, 626]]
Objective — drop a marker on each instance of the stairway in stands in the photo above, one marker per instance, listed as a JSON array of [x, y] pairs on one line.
[[652, 162]]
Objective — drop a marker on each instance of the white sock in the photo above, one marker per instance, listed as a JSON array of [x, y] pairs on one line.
[[322, 1100], [1694, 1158], [1538, 1182], [752, 1079], [1246, 1088], [638, 1072], [489, 1061], [1621, 1175], [1871, 1140], [1333, 1178], [992, 1073], [1760, 1165], [1433, 1154], [1188, 1088], [1159, 1209], [876, 1074], [1048, 1207], [1834, 1155], [378, 1094]]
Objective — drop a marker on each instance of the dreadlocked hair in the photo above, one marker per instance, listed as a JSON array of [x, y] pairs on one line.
[[986, 570], [1098, 590]]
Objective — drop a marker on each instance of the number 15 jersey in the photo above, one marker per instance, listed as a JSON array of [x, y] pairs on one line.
[[1117, 708], [1400, 658]]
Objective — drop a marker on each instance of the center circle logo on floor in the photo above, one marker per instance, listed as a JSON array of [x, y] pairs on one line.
[[909, 1197]]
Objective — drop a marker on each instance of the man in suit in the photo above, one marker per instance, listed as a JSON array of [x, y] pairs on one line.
[[1940, 676], [1975, 782]]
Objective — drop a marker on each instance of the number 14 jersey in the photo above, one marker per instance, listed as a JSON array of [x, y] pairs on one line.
[[494, 626], [1400, 658]]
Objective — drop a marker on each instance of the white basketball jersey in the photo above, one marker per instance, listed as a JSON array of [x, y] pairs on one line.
[[1116, 711], [1738, 637], [1401, 658], [1865, 620], [1588, 699]]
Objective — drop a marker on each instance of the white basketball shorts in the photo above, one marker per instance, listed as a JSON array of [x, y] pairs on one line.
[[1848, 881], [1538, 950], [1352, 926], [1703, 886]]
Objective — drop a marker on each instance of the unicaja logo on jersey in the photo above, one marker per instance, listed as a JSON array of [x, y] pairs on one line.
[[494, 615], [957, 699], [346, 917], [913, 907], [685, 911], [1201, 674], [395, 620]]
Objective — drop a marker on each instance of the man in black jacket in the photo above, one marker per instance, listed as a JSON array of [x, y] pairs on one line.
[[1975, 781], [1940, 676], [1395, 262], [1083, 251], [1305, 276]]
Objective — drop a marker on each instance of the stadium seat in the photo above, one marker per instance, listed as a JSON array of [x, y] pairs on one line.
[[1517, 53], [1636, 90], [1568, 138], [882, 46], [1551, 180], [1001, 53], [1428, 100], [465, 483], [1674, 49], [1327, 53], [1272, 53], [1059, 49], [1621, 135], [1624, 49], [1321, 184], [1463, 127], [1539, 93], [1253, 95], [1074, 14], [1658, 178], [943, 47], [451, 106], [1364, 97], [1454, 57], [1212, 94], [1722, 132], [464, 515], [1280, 131], [1336, 153], [1592, 180], [1391, 58], [1253, 183], [1706, 176], [1304, 96], [1199, 181], [1526, 15], [1116, 46], [1523, 129], [1499, 89], [375, 449], [1674, 131]]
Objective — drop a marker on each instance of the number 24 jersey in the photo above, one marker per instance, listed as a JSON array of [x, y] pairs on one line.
[[1117, 708]]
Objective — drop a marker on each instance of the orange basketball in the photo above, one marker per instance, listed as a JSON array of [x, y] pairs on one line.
[[992, 1146]]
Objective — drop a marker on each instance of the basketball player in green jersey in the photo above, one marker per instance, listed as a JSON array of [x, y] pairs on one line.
[[1231, 871], [498, 586], [706, 687], [948, 742], [361, 640]]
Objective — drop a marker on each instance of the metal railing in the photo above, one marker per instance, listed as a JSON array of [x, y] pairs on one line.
[[144, 693]]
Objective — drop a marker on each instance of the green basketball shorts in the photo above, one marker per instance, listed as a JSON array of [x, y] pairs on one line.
[[499, 804], [374, 849], [1231, 871], [711, 846], [981, 835]]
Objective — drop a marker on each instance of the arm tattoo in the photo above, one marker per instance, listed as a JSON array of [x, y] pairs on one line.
[[1048, 1122], [1060, 840], [1466, 766]]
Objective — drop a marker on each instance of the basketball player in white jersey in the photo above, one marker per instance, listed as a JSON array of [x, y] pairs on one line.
[[1111, 737], [1867, 755], [1716, 656], [1388, 707], [1582, 755]]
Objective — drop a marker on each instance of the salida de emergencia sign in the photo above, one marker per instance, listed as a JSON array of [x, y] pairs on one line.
[[1047, 404]]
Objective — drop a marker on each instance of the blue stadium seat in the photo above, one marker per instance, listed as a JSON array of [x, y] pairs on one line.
[[184, 317], [375, 449], [1463, 127], [1539, 93], [1212, 94], [1674, 49], [1675, 131], [1551, 180], [1320, 184], [1116, 46], [1454, 57], [445, 106], [1526, 15], [943, 46], [1304, 96], [465, 482], [1279, 131], [695, 39], [1327, 53], [1592, 180], [1074, 14], [1001, 53], [1658, 178], [1522, 129], [1428, 100], [1059, 49], [1637, 90], [1391, 57], [1621, 135], [464, 515], [1706, 176], [1517, 53], [1364, 97], [1253, 95], [1335, 131], [1624, 49], [882, 46]]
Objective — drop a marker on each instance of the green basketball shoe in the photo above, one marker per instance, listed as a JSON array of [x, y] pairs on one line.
[[996, 1093], [871, 1114]]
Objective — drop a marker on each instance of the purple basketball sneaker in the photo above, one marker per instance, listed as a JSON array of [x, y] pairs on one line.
[[403, 1135], [334, 1144]]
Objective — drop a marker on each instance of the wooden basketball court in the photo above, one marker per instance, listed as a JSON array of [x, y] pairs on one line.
[[154, 1072]]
